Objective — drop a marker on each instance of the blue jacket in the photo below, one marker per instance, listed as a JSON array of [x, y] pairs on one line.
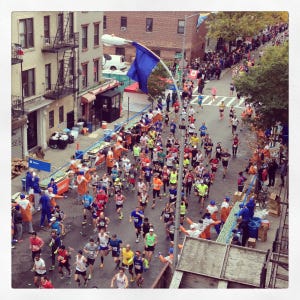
[[54, 187], [45, 202], [244, 213], [251, 206], [36, 185], [29, 181]]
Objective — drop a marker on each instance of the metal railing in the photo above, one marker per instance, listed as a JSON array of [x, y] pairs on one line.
[[69, 40]]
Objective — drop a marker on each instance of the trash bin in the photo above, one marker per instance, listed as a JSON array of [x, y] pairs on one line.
[[79, 154], [89, 125], [23, 180], [253, 226]]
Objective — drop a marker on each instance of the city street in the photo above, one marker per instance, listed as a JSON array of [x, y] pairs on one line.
[[219, 130]]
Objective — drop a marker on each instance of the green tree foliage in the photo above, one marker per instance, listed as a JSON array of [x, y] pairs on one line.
[[156, 83], [231, 25], [267, 84]]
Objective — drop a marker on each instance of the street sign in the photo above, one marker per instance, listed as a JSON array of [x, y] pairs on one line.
[[39, 164]]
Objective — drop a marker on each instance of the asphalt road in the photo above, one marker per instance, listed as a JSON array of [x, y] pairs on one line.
[[219, 131]]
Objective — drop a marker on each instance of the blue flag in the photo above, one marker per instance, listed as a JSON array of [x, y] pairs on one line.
[[143, 64], [201, 18]]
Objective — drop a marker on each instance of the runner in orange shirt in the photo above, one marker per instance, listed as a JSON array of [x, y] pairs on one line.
[[157, 184]]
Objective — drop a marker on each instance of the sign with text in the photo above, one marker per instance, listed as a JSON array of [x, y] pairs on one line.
[[39, 164]]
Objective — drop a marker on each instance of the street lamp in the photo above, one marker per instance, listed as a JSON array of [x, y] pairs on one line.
[[111, 40]]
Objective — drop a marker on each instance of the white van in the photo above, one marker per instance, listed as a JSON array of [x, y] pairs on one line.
[[113, 62]]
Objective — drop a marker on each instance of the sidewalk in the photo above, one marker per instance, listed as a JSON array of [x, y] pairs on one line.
[[59, 158]]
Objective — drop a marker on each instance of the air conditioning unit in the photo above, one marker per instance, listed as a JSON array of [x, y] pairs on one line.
[[123, 28], [47, 41]]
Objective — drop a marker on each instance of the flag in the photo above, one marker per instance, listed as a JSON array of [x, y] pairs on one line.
[[143, 64], [201, 18]]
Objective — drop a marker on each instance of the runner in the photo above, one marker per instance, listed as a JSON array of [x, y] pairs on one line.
[[114, 245], [157, 184], [221, 110], [150, 243], [143, 200], [39, 268], [120, 279], [119, 198], [80, 269], [103, 241], [63, 257], [225, 156], [127, 260], [137, 216], [138, 262], [91, 251], [235, 144]]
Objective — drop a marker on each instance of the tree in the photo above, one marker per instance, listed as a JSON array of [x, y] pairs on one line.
[[231, 25], [267, 84], [156, 83]]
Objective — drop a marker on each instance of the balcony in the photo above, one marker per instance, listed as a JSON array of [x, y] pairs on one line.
[[17, 107], [59, 91], [16, 54], [58, 44]]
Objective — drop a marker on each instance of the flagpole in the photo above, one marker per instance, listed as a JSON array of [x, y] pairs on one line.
[[112, 40]]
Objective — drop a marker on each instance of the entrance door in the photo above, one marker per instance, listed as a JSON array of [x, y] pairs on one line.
[[70, 119], [32, 130]]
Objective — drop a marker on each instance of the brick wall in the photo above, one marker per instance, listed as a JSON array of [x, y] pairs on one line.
[[164, 36]]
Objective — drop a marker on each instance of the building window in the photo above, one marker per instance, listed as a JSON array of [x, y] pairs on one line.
[[71, 65], [26, 33], [48, 77], [123, 23], [84, 37], [61, 114], [47, 29], [96, 34], [180, 26], [120, 51], [96, 70], [51, 119], [60, 26], [61, 72], [71, 25], [104, 22], [149, 24], [84, 75], [28, 81]]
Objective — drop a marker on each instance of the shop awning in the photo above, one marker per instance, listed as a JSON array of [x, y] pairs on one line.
[[88, 97]]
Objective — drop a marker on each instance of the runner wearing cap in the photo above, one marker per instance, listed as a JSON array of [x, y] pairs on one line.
[[150, 243]]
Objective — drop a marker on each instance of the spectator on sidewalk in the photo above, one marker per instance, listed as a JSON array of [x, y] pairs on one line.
[[26, 211], [37, 193]]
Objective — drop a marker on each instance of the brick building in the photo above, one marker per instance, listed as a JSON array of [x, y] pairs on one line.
[[162, 32]]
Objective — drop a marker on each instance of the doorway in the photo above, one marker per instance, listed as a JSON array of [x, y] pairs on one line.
[[32, 130]]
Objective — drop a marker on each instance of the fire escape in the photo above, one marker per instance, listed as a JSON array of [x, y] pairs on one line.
[[279, 277], [17, 103], [63, 44]]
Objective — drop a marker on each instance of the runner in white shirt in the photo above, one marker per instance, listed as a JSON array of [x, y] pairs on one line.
[[103, 240], [80, 268], [121, 280]]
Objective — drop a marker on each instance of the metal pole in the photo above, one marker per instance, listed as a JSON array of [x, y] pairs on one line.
[[128, 111]]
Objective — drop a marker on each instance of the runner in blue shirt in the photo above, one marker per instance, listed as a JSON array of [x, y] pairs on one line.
[[114, 245], [137, 216], [87, 201], [202, 130]]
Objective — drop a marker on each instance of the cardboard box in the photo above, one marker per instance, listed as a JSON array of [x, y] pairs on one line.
[[262, 233], [251, 243], [274, 212], [273, 197], [238, 196]]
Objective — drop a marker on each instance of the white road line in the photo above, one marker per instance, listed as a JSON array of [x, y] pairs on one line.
[[228, 104], [240, 103]]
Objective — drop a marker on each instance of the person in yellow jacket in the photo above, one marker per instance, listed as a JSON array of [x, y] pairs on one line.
[[127, 256]]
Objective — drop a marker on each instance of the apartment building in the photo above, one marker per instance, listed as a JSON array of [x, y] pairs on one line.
[[56, 74], [93, 105], [160, 31]]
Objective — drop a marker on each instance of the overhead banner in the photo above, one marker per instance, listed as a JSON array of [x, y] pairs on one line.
[[39, 165]]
